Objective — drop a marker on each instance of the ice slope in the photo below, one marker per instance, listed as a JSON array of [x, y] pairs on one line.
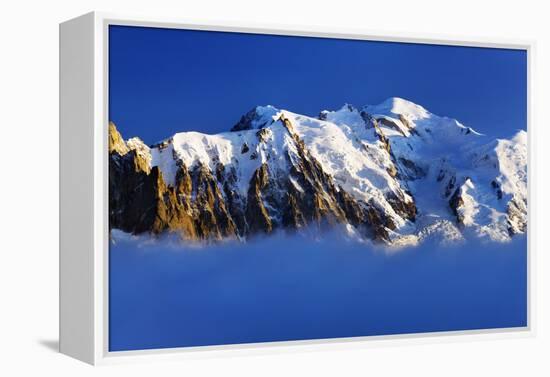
[[488, 173], [351, 154]]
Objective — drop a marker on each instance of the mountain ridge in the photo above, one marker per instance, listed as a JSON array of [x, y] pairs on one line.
[[392, 172]]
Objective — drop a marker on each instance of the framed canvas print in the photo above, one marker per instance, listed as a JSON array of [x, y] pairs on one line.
[[225, 187]]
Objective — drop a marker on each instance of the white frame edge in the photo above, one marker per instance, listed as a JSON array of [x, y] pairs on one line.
[[84, 118], [77, 250]]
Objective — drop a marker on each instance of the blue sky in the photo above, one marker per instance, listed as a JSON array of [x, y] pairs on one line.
[[164, 81]]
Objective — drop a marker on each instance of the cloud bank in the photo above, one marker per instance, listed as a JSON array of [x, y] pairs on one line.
[[164, 294]]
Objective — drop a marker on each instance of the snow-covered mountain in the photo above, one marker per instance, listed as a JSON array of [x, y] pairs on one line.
[[394, 173]]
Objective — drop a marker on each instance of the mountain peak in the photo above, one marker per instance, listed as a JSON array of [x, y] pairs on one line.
[[116, 142], [348, 107], [258, 117], [520, 137], [398, 106]]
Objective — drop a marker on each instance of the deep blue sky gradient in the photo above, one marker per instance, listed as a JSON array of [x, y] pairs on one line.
[[164, 81]]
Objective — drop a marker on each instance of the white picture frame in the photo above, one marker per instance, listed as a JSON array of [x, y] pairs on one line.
[[84, 190]]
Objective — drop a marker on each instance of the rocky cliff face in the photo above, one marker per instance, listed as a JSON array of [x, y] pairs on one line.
[[205, 204], [378, 173]]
